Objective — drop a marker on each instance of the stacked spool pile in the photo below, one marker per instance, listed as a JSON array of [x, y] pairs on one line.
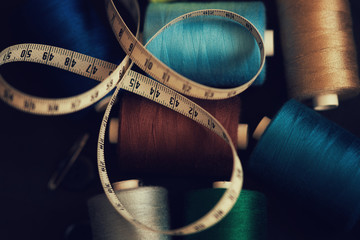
[[215, 53], [301, 156], [163, 143]]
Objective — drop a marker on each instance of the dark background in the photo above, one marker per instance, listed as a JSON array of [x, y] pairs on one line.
[[32, 147]]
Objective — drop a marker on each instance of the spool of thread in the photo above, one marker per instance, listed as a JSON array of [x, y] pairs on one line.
[[153, 139], [77, 25], [147, 204], [313, 163], [319, 51], [242, 133], [161, 1], [246, 221], [211, 50]]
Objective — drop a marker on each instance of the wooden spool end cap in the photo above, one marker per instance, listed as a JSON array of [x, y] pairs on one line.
[[326, 102], [127, 184], [261, 127]]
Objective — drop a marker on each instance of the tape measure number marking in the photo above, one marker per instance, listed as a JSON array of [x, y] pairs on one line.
[[122, 77], [155, 91], [155, 68], [64, 59]]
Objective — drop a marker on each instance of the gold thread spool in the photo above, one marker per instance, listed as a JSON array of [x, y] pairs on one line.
[[319, 51]]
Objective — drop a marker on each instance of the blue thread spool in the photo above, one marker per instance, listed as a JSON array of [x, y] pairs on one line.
[[77, 25], [312, 162], [211, 51]]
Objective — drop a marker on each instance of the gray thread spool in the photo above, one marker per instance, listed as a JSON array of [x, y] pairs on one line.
[[147, 204]]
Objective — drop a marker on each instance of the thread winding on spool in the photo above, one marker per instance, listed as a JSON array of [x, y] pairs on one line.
[[213, 52], [173, 145], [247, 220], [153, 139], [242, 133], [161, 1], [311, 161], [148, 204], [319, 51], [78, 25]]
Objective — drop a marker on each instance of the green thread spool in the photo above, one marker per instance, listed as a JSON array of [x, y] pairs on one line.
[[246, 221], [161, 1]]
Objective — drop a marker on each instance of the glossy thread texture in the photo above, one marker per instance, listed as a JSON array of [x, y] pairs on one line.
[[76, 25], [318, 46], [210, 50], [313, 162], [149, 205], [246, 221]]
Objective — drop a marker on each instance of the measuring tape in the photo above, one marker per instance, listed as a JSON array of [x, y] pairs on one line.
[[158, 70], [67, 60], [122, 77], [155, 91], [61, 58]]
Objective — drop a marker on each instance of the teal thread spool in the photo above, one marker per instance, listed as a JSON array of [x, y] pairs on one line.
[[312, 163], [211, 51], [147, 204], [246, 221]]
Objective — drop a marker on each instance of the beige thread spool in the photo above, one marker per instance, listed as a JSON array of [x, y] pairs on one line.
[[319, 51]]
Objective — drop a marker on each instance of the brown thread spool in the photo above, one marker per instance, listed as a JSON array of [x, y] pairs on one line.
[[155, 140], [319, 51]]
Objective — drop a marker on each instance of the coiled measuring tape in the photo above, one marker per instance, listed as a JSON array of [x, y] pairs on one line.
[[122, 77], [158, 70]]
